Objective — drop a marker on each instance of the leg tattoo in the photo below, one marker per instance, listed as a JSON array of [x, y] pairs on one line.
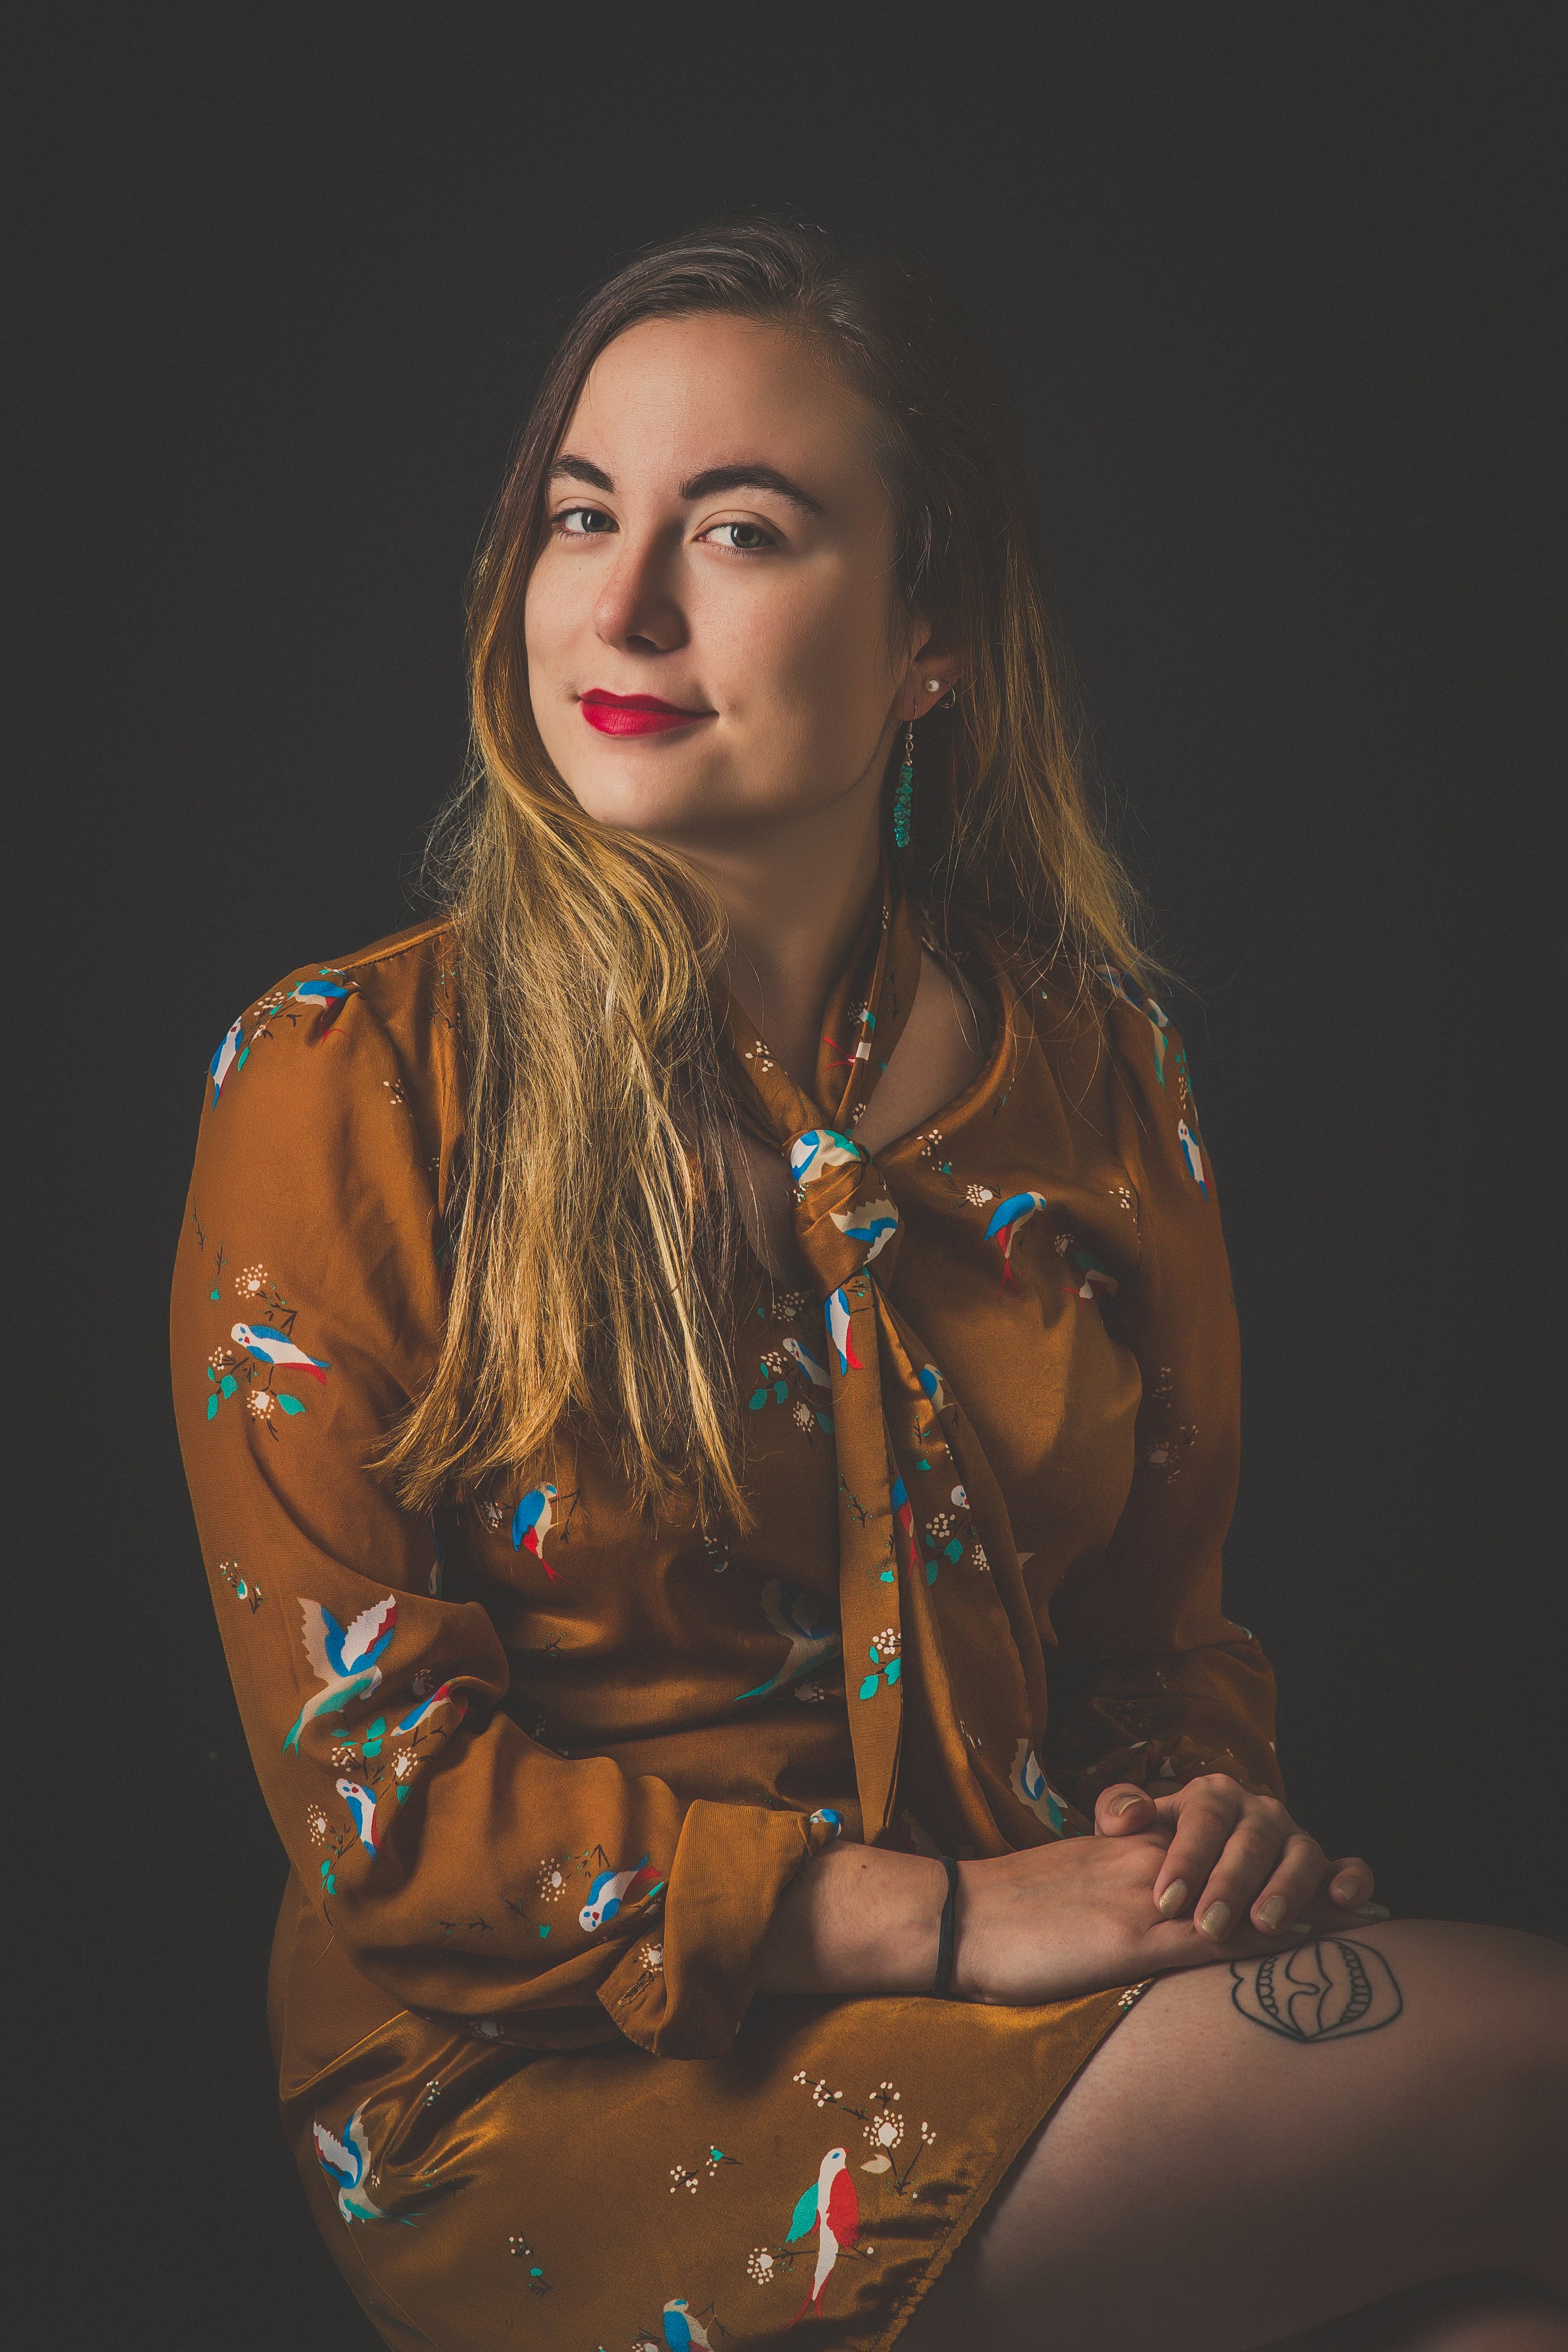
[[1320, 1992]]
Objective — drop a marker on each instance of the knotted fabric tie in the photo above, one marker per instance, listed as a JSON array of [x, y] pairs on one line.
[[936, 1631]]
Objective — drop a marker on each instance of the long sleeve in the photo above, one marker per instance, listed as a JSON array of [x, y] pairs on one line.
[[307, 1312], [1151, 1681]]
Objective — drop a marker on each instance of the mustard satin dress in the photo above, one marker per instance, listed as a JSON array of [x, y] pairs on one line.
[[543, 1770]]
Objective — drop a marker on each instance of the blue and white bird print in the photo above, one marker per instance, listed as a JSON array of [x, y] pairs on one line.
[[1140, 1001], [363, 1805], [872, 1222], [815, 1371], [1192, 1155], [266, 1346], [1008, 1218], [321, 993], [343, 1658], [807, 1623], [231, 1055], [683, 2328], [819, 1148], [1031, 1787], [345, 2163], [616, 1890], [444, 1696]]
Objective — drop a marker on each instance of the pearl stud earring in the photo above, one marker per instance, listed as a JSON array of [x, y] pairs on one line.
[[932, 686]]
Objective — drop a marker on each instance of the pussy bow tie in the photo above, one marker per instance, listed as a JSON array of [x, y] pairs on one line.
[[937, 1625]]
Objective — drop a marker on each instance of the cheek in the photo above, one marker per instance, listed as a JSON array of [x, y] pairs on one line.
[[818, 650], [547, 614]]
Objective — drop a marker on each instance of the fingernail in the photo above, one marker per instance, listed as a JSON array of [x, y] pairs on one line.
[[1345, 1890], [1372, 1911], [1173, 1899], [1300, 1927], [1216, 1919], [1270, 1914], [1124, 1805]]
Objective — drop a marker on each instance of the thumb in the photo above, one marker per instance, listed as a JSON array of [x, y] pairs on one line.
[[1121, 1809]]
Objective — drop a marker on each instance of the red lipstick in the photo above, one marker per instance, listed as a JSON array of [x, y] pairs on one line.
[[634, 714]]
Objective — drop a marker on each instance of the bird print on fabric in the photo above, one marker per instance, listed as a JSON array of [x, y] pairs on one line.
[[617, 1890], [872, 1222], [815, 1371], [903, 1517], [320, 994], [837, 1314], [345, 2163], [531, 1522], [818, 1150], [266, 1346], [363, 1805], [1140, 1001], [230, 1055], [1097, 1278], [1006, 1219], [1192, 1155], [683, 2328], [830, 2208], [1031, 1785], [805, 1621], [930, 1379], [444, 1696], [343, 1658]]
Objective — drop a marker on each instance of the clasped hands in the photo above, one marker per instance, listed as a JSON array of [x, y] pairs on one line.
[[1208, 1872], [1231, 1854]]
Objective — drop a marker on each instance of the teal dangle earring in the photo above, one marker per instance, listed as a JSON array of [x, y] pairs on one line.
[[904, 798]]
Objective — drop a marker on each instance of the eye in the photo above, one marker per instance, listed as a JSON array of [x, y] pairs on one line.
[[746, 538], [584, 522]]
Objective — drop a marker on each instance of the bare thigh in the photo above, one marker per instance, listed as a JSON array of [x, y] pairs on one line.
[[1249, 2154]]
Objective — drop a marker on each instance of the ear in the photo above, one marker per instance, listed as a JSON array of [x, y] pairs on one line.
[[934, 667]]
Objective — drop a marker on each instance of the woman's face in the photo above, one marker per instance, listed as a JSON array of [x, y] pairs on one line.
[[719, 548]]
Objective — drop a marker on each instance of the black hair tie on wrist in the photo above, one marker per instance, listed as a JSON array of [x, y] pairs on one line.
[[945, 1937]]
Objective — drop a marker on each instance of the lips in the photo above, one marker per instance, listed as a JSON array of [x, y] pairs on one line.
[[634, 714]]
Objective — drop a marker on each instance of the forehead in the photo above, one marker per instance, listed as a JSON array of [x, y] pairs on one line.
[[672, 397]]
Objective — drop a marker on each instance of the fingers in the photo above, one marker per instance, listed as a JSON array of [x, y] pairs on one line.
[[1121, 1809], [1350, 1886], [1232, 1851]]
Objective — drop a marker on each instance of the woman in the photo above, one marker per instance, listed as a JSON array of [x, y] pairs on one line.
[[709, 1383]]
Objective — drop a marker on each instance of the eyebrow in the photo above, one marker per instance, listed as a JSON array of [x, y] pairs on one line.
[[708, 485]]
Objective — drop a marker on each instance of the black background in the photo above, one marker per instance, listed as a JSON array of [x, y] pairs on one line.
[[1275, 288]]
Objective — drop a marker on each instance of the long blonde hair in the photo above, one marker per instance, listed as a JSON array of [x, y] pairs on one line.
[[593, 1231]]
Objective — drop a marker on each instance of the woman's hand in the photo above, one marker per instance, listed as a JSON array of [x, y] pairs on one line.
[[1231, 1857], [1057, 1921]]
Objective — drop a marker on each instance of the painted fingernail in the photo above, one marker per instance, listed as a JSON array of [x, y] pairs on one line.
[[1216, 1919], [1172, 1899], [1124, 1805], [1372, 1911], [1270, 1914], [1345, 1890]]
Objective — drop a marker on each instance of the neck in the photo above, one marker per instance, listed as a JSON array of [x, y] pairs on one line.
[[795, 895]]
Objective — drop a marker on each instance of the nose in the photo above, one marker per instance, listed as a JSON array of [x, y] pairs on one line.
[[637, 609]]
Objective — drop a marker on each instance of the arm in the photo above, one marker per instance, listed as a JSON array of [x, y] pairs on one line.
[[307, 1311], [1151, 1680]]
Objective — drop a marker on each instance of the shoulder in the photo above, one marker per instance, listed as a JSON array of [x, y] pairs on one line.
[[374, 1025]]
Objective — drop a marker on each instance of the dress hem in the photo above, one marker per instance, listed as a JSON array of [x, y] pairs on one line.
[[1125, 1998]]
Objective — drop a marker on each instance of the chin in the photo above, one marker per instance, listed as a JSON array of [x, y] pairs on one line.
[[638, 798]]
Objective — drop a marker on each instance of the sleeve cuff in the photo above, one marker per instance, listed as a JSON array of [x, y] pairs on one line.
[[685, 1985]]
